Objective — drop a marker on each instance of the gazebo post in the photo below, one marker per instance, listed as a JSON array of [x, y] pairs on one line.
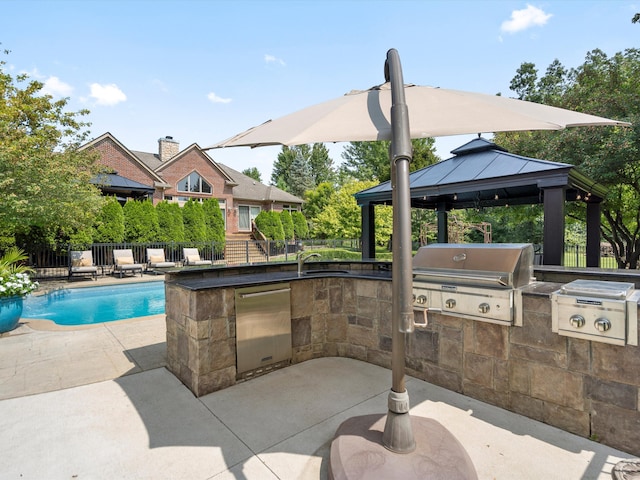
[[593, 233], [553, 239], [443, 224], [368, 222]]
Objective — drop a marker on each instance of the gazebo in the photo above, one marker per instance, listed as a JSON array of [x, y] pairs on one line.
[[122, 187], [483, 174]]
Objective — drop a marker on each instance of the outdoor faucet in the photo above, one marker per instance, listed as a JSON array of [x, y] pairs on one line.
[[302, 259]]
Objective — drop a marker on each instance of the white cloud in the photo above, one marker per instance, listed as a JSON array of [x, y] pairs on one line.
[[56, 88], [271, 59], [213, 98], [524, 19], [108, 95]]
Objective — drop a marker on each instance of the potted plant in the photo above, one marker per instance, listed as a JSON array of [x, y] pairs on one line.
[[15, 284]]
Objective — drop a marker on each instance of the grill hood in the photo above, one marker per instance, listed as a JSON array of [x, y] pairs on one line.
[[493, 264]]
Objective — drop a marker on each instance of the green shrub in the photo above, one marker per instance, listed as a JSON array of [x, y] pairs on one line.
[[300, 226], [109, 224], [287, 225], [194, 224], [270, 225], [140, 221], [214, 223], [170, 224]]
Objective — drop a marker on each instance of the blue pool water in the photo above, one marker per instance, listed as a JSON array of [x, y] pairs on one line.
[[84, 306]]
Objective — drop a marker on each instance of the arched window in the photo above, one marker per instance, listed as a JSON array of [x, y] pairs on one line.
[[194, 183]]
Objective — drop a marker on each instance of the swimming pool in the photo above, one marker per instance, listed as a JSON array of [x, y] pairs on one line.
[[85, 306]]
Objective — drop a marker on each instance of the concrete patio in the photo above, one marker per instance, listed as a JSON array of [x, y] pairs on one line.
[[96, 402]]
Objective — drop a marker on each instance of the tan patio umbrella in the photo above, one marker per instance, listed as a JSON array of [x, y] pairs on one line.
[[383, 113], [364, 115]]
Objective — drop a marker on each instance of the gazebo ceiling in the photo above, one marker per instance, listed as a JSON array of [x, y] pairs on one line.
[[483, 174]]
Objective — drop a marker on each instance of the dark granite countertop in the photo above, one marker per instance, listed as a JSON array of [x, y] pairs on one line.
[[243, 280]]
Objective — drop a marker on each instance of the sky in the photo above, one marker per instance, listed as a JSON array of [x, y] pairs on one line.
[[204, 70]]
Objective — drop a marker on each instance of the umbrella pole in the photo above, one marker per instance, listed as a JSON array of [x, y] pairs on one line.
[[398, 433]]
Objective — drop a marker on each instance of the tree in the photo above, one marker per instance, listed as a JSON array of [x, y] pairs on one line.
[[317, 199], [170, 224], [321, 165], [341, 217], [44, 176], [300, 176], [254, 173], [282, 167], [109, 223], [608, 87], [370, 160], [194, 224], [302, 167]]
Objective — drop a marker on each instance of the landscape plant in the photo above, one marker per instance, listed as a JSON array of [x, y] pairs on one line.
[[287, 225], [194, 223], [170, 223], [14, 274], [109, 223], [300, 226], [269, 223], [214, 224]]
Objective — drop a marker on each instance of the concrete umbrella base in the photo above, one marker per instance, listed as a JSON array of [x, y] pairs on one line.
[[357, 452]]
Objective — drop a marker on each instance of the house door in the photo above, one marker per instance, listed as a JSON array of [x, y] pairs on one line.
[[245, 215]]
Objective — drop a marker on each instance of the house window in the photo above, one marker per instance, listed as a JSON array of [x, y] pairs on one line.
[[194, 183], [290, 208]]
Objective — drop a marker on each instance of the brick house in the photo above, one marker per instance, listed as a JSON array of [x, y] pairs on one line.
[[177, 176]]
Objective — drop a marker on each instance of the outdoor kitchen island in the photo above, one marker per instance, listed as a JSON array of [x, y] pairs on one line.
[[587, 387]]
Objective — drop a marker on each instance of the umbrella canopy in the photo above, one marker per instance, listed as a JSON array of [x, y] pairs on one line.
[[364, 115]]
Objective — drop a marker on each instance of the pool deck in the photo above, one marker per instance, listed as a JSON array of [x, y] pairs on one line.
[[97, 403]]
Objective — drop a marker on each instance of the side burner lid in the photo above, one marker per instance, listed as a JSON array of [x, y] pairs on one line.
[[598, 288]]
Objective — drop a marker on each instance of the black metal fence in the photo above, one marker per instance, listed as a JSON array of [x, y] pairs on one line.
[[54, 262]]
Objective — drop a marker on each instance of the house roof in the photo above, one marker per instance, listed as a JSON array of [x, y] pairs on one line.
[[484, 174], [244, 187], [250, 189], [157, 179]]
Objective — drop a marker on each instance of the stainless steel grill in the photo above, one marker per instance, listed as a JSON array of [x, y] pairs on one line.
[[477, 281], [596, 310]]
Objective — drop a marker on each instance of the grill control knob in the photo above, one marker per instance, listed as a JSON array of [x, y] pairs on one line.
[[450, 303], [484, 308], [602, 324], [577, 321], [422, 299], [414, 298]]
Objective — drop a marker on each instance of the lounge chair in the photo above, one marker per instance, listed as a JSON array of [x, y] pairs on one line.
[[192, 257], [124, 262], [81, 263], [155, 259]]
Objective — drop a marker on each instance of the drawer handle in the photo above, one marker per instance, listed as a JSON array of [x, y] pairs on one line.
[[262, 294]]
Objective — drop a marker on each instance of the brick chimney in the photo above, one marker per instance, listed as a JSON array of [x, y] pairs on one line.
[[167, 148]]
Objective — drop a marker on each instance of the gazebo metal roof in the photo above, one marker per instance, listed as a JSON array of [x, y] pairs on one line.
[[114, 184], [484, 174]]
